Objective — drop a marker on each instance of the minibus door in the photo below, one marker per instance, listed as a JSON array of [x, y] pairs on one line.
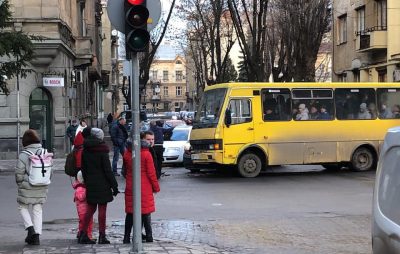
[[238, 126]]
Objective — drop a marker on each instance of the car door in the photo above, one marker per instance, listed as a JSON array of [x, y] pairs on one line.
[[241, 129]]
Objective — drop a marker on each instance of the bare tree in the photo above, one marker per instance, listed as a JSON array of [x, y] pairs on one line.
[[208, 40], [280, 38], [146, 58]]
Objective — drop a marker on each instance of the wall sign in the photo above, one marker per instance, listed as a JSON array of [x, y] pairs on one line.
[[53, 81]]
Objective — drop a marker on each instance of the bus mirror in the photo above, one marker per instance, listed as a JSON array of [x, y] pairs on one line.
[[228, 117]]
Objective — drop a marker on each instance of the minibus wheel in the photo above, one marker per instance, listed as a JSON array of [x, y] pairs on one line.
[[362, 160], [249, 165]]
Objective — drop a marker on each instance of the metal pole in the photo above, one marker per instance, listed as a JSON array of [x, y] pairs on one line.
[[136, 175], [18, 118]]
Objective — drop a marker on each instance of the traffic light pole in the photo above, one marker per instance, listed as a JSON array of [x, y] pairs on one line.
[[136, 175]]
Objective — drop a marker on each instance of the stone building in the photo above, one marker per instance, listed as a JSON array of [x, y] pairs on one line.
[[167, 87], [366, 40], [67, 77]]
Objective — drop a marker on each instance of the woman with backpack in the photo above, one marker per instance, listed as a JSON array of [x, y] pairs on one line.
[[28, 194]]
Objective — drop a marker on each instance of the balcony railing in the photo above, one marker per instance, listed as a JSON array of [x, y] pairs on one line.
[[365, 40], [372, 38]]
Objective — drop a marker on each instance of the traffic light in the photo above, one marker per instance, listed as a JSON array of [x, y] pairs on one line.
[[136, 35]]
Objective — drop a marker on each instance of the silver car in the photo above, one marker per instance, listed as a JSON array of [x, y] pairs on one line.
[[175, 147], [386, 204]]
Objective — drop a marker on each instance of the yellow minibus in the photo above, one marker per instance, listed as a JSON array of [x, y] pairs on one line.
[[256, 125]]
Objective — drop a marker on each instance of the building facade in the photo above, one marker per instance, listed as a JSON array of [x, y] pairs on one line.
[[67, 79], [167, 87], [366, 38]]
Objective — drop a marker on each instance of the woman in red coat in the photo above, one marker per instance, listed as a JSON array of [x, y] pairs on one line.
[[149, 186]]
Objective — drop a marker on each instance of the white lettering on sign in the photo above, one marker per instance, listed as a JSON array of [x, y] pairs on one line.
[[53, 82]]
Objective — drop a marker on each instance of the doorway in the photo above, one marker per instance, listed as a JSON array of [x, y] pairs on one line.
[[40, 112]]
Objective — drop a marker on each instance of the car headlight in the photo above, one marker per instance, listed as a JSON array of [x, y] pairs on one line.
[[187, 147]]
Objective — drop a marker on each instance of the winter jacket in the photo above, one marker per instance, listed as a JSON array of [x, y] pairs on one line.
[[149, 183], [27, 193], [78, 149], [119, 135], [71, 130], [97, 174], [158, 134]]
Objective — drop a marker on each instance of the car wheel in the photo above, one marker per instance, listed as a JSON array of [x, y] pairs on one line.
[[249, 165], [362, 160]]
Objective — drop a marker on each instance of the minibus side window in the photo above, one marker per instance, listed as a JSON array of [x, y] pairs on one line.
[[355, 103], [240, 111], [388, 103], [276, 104], [312, 104]]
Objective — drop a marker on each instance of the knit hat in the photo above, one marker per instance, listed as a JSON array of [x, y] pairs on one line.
[[363, 106], [97, 133], [302, 106], [79, 177]]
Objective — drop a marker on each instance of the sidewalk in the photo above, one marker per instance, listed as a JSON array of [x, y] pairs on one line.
[[70, 246], [160, 245]]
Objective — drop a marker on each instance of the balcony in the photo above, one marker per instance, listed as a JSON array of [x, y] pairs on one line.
[[155, 98], [372, 39]]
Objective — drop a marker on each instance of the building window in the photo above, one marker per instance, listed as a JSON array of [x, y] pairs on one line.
[[82, 19], [356, 75], [165, 90], [166, 106], [382, 75], [342, 77], [382, 15], [178, 75], [178, 62], [178, 91], [165, 75], [361, 20], [342, 29], [154, 74]]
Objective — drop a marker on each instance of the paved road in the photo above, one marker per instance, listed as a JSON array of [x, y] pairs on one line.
[[296, 209]]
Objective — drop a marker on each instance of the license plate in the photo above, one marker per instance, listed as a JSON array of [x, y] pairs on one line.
[[195, 156]]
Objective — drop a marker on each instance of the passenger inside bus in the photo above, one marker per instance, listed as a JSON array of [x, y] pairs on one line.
[[302, 113], [364, 112], [396, 111], [324, 115], [385, 112], [314, 114]]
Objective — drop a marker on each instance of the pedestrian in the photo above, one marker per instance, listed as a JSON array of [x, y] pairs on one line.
[[81, 205], [82, 125], [119, 135], [100, 183], [149, 185], [157, 129], [110, 118], [71, 130], [30, 197]]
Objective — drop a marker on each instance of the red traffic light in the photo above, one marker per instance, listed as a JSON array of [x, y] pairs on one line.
[[137, 16], [136, 2]]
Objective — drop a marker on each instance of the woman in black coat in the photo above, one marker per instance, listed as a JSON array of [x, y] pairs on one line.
[[100, 182]]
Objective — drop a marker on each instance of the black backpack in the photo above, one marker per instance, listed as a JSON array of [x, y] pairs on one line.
[[70, 165]]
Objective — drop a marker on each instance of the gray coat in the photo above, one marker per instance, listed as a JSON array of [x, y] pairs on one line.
[[28, 194]]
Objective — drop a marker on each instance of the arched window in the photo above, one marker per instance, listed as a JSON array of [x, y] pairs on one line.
[[178, 62]]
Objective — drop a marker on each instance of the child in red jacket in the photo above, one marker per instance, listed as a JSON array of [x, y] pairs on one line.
[[81, 204], [149, 186]]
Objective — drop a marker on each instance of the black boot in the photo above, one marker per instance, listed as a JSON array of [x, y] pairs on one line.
[[103, 239], [146, 218], [84, 239], [31, 232], [128, 228], [35, 240]]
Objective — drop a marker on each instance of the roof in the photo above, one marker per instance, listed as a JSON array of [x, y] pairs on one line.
[[304, 85]]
